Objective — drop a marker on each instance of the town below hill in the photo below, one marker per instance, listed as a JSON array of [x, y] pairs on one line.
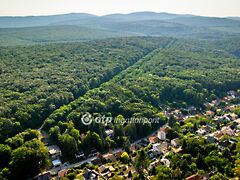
[[196, 140]]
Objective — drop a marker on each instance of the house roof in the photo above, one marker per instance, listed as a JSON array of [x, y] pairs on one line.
[[102, 168], [164, 129], [153, 139], [176, 140], [53, 149], [118, 154], [110, 157], [56, 162], [62, 173], [96, 161], [89, 174], [193, 177]]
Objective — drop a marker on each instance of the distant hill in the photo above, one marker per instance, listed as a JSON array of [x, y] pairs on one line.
[[31, 21], [143, 16], [82, 27], [234, 18], [206, 21], [51, 34]]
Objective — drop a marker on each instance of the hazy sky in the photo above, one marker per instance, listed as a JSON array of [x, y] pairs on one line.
[[101, 7]]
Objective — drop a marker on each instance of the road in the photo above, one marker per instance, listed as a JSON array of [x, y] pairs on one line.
[[55, 170]]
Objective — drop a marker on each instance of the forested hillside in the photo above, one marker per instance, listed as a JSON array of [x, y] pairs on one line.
[[52, 34], [170, 77], [38, 79], [47, 84], [83, 27]]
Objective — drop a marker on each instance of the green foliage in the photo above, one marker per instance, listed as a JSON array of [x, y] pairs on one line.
[[5, 155], [69, 145], [125, 157], [28, 160]]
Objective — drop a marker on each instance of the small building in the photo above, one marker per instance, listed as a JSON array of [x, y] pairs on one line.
[[150, 154], [153, 139], [57, 163], [62, 173], [175, 142], [118, 154], [96, 161], [201, 132], [90, 175], [109, 132], [162, 133], [164, 147], [209, 113], [102, 168], [177, 150], [166, 162], [54, 152], [226, 130], [110, 157], [157, 148]]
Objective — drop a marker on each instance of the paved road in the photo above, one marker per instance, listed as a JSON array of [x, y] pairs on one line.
[[55, 170]]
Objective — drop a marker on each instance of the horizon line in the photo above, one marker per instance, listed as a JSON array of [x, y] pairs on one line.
[[66, 13]]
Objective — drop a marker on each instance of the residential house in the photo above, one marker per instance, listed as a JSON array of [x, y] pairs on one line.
[[90, 175], [162, 133], [57, 163], [153, 139], [110, 157], [150, 154], [109, 132], [62, 173], [177, 150], [54, 152], [157, 148], [96, 161], [201, 132], [118, 154], [164, 147], [209, 113], [102, 168], [228, 131], [166, 162], [175, 142]]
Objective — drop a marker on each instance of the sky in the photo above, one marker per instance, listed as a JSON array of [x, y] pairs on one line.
[[217, 8]]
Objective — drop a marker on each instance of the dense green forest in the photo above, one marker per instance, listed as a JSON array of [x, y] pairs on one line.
[[122, 78], [169, 77], [49, 80], [36, 80], [52, 34]]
